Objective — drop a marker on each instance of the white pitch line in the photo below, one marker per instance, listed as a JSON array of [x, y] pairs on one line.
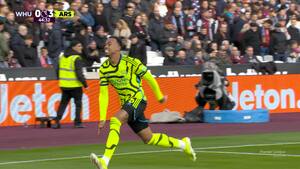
[[158, 151], [254, 154], [247, 145]]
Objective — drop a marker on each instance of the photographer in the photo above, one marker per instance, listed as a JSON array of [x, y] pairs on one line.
[[212, 89]]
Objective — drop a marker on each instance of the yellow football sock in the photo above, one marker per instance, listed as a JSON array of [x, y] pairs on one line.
[[113, 138], [163, 140]]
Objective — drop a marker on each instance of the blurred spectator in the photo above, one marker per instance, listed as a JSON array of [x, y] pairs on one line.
[[129, 15], [177, 19], [12, 61], [196, 46], [196, 5], [227, 47], [209, 23], [279, 43], [199, 58], [100, 38], [145, 20], [168, 35], [100, 17], [265, 34], [293, 9], [54, 42], [44, 58], [156, 28], [230, 13], [252, 38], [187, 46], [82, 36], [182, 58], [249, 56], [294, 53], [282, 4], [169, 55], [236, 56], [204, 37], [17, 44], [122, 31], [213, 46], [30, 54], [239, 22], [29, 5], [143, 6], [223, 34], [223, 56], [92, 55], [85, 16], [11, 25], [281, 14], [113, 13], [4, 50], [204, 6], [138, 49], [293, 30], [140, 29], [190, 23], [161, 7], [221, 5], [4, 10], [213, 56]]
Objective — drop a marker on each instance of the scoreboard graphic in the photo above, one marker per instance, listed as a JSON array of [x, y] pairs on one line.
[[47, 16]]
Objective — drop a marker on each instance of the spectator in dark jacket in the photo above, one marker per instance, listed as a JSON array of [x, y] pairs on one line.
[[236, 56], [17, 44], [279, 43], [293, 30], [249, 56], [221, 5], [100, 17], [183, 59], [129, 16], [100, 38], [30, 53], [170, 58], [4, 50], [223, 34], [86, 17], [252, 38], [54, 42], [92, 55], [265, 37], [143, 6], [114, 14], [177, 19], [140, 30], [10, 24], [156, 28], [138, 49], [169, 35], [237, 27]]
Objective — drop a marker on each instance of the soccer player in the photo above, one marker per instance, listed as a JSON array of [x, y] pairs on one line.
[[124, 74]]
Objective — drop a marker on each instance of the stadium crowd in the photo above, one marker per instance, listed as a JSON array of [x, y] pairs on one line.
[[185, 32]]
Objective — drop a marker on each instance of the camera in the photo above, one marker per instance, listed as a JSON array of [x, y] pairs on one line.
[[212, 89], [207, 78]]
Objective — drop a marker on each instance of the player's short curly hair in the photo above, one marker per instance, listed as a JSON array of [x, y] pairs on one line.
[[117, 39]]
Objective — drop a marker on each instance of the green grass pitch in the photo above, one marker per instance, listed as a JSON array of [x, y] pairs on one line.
[[263, 151]]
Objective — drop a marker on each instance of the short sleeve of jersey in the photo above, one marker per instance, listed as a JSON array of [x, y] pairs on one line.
[[103, 79], [141, 69]]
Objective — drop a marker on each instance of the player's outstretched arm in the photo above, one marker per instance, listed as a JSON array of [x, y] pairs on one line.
[[155, 87], [103, 104]]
